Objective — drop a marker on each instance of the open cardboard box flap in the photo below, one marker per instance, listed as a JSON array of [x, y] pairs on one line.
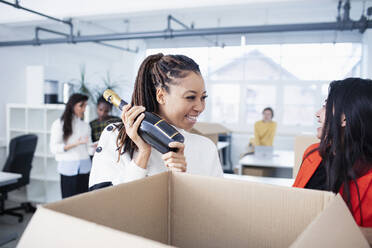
[[193, 211], [210, 130]]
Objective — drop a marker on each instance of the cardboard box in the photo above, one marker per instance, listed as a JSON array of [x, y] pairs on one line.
[[183, 210], [258, 171], [302, 142], [210, 130]]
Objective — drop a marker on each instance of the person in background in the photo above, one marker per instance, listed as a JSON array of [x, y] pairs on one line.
[[342, 162], [264, 130], [71, 144], [172, 87], [104, 118]]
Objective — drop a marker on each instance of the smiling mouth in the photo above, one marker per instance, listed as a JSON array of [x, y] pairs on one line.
[[192, 118]]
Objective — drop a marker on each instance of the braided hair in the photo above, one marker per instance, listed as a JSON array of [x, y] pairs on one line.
[[156, 71]]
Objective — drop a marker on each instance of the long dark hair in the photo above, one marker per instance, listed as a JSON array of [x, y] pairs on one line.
[[347, 151], [156, 71], [68, 114]]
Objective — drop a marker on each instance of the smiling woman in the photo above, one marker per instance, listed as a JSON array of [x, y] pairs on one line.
[[342, 162], [172, 87], [186, 101]]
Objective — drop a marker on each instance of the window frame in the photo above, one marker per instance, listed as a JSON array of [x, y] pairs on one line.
[[242, 127]]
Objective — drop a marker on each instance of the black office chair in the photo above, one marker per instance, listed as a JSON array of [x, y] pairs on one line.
[[21, 153], [226, 153]]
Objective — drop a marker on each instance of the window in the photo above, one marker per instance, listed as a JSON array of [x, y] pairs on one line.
[[258, 97], [320, 61], [293, 79], [225, 101], [299, 105]]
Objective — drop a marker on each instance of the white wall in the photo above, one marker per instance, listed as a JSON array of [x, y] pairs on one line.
[[367, 55], [62, 62], [68, 58]]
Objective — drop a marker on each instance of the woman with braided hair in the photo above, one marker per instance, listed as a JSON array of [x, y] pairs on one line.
[[172, 87]]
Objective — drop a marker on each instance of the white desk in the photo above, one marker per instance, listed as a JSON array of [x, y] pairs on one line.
[[287, 182], [222, 144], [280, 159], [8, 178]]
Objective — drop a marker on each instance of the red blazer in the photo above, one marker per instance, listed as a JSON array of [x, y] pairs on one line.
[[309, 166]]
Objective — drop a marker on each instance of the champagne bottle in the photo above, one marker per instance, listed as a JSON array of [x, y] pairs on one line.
[[153, 129]]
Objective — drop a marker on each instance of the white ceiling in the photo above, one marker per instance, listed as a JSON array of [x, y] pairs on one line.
[[80, 8], [93, 17]]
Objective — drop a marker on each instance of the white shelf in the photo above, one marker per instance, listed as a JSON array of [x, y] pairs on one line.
[[18, 118], [37, 106], [53, 179], [50, 170], [48, 155], [22, 119], [16, 105], [51, 116], [38, 199], [21, 130], [37, 131], [37, 177], [54, 192], [13, 134], [36, 191], [37, 154], [36, 119]]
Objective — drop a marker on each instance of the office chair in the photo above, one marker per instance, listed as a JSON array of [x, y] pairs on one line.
[[21, 153]]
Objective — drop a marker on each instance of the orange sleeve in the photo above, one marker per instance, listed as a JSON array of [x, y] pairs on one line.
[[365, 192], [307, 167]]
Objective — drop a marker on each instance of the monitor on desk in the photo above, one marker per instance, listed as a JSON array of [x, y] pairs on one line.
[[263, 151]]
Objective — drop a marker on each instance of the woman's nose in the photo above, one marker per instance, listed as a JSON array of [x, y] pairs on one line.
[[199, 106], [317, 113]]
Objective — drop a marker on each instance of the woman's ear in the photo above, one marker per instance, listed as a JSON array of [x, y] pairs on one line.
[[343, 122], [160, 95]]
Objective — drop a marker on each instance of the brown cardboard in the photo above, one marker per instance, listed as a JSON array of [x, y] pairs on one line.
[[54, 229], [342, 233], [145, 204], [194, 211], [228, 214], [367, 232], [301, 143], [210, 130], [258, 171]]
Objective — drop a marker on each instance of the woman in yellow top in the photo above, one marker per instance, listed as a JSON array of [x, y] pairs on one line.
[[264, 130]]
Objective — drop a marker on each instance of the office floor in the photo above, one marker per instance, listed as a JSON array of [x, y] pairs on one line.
[[9, 224]]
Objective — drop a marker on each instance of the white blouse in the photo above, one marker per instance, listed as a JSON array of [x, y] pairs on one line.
[[79, 129], [200, 152]]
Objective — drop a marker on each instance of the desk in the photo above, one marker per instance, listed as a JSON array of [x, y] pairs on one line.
[[8, 178], [280, 163], [287, 182], [220, 146], [224, 151]]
